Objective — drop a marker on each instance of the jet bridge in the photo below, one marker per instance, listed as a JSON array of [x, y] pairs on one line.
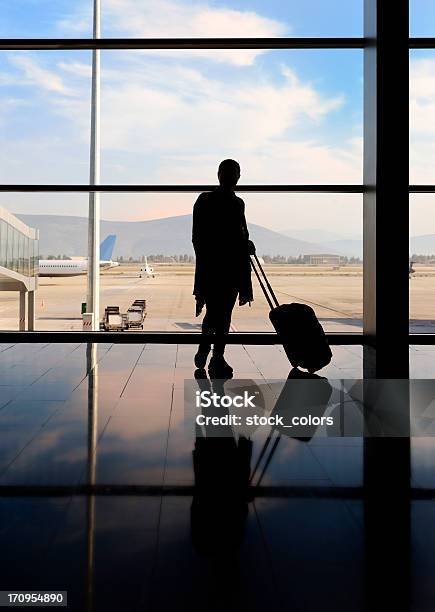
[[19, 255]]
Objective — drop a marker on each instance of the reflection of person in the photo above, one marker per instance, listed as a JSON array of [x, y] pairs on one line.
[[221, 463], [221, 241]]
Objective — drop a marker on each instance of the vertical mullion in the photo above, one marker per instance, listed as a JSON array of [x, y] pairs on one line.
[[386, 452], [386, 187]]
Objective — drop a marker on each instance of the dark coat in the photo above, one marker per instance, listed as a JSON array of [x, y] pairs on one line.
[[220, 239]]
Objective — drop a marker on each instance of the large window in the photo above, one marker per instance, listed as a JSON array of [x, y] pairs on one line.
[[168, 116], [289, 109]]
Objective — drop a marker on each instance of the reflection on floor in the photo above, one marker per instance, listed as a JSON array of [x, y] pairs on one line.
[[98, 494]]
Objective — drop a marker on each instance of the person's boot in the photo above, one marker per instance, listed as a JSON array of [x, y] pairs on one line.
[[201, 356], [219, 368]]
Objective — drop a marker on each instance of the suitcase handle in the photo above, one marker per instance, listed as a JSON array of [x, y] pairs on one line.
[[269, 292], [266, 295]]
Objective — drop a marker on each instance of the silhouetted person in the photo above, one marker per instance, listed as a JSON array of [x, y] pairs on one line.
[[221, 241]]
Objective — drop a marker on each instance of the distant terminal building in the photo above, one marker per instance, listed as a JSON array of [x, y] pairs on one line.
[[324, 260], [19, 256]]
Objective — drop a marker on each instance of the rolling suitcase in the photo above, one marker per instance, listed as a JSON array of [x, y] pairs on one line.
[[297, 326]]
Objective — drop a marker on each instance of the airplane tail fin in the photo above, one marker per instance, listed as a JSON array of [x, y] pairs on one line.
[[106, 247]]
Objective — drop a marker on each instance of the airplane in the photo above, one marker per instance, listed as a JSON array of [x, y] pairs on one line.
[[147, 270], [78, 267]]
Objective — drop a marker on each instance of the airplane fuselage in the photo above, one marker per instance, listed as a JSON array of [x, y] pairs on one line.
[[68, 267]]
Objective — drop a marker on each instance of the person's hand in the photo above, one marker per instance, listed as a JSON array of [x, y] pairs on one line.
[[251, 248]]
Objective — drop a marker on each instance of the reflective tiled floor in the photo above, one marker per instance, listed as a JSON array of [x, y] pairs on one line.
[[98, 495]]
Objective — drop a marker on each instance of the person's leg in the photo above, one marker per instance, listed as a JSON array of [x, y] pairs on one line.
[[205, 346], [218, 367], [222, 323]]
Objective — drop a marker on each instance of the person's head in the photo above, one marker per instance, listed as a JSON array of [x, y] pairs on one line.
[[228, 173]]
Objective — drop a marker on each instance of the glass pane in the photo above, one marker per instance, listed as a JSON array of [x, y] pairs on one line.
[[3, 243], [45, 117], [287, 116], [62, 221], [156, 257], [422, 256], [20, 253], [17, 238], [10, 257], [422, 112], [422, 17], [311, 245], [26, 263], [9, 246]]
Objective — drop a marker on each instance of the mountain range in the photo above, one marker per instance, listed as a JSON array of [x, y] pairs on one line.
[[167, 236], [67, 235]]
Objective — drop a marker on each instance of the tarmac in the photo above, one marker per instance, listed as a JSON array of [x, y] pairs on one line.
[[335, 294]]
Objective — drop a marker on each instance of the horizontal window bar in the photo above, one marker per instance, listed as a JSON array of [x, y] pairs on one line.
[[197, 188], [181, 188], [422, 188], [424, 339], [250, 338], [253, 338], [57, 44], [422, 43]]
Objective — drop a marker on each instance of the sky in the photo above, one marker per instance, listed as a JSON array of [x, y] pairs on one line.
[[171, 116]]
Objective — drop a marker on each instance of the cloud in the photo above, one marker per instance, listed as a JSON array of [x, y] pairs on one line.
[[34, 74], [422, 78], [206, 115], [172, 19], [422, 124], [165, 121], [178, 110], [76, 68], [167, 117], [169, 18], [171, 123]]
